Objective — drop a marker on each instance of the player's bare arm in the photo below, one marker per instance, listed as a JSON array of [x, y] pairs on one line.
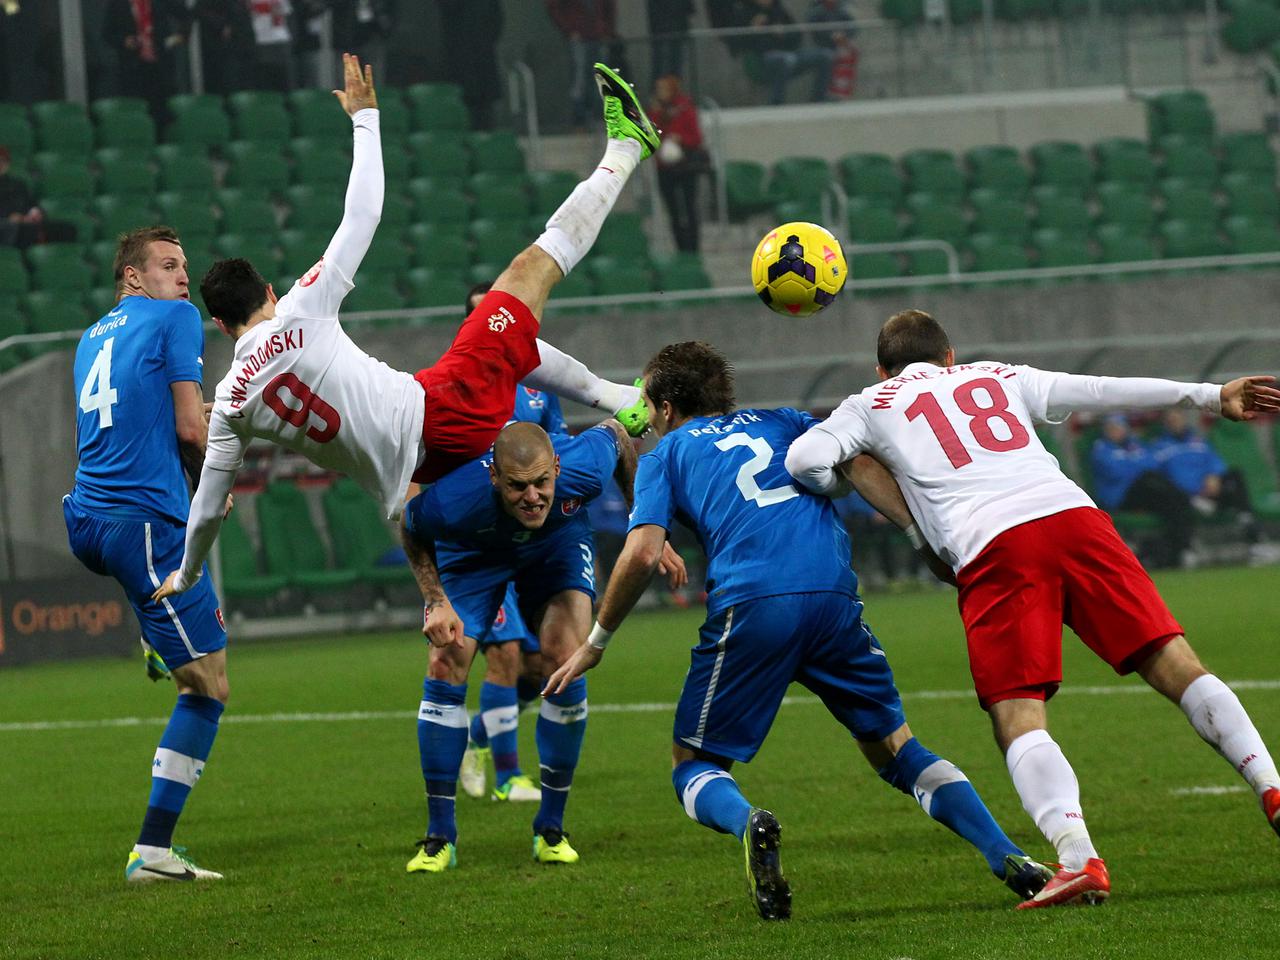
[[442, 625], [191, 425], [672, 564], [1245, 398], [631, 575]]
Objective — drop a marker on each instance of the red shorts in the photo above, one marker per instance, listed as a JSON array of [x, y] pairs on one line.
[[471, 390], [1067, 568]]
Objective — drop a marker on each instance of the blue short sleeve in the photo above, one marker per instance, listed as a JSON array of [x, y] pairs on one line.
[[587, 461], [184, 344], [422, 516], [654, 500]]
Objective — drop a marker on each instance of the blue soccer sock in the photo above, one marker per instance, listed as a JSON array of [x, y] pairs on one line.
[[946, 794], [476, 733], [501, 718], [528, 690], [177, 766], [442, 740], [562, 724], [711, 796]]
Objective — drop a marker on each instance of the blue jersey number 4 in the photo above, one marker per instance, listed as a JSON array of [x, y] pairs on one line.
[[752, 468], [97, 394]]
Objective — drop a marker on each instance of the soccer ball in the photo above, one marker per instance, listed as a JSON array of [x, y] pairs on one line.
[[798, 268]]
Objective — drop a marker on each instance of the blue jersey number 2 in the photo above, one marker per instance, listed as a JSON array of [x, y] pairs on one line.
[[748, 472]]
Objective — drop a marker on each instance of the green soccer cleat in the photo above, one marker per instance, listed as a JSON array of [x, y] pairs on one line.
[[156, 669], [624, 117], [435, 855], [517, 789], [1024, 876], [552, 846], [635, 418], [473, 774], [176, 866], [770, 891]]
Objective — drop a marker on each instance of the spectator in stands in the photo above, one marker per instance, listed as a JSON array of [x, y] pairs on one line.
[[362, 27], [1187, 458], [470, 31], [682, 160], [144, 34], [589, 26], [668, 36], [273, 38], [19, 215], [226, 43], [1126, 476], [844, 52], [779, 56]]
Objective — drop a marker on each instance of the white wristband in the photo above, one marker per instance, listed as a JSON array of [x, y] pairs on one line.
[[599, 637], [918, 542]]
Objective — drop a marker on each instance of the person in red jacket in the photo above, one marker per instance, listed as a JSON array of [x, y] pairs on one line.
[[681, 158], [589, 26]]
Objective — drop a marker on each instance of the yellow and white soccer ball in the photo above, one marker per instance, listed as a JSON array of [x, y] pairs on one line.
[[798, 268]]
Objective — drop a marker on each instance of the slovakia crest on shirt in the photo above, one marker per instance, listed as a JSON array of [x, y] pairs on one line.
[[571, 506], [535, 396], [501, 619]]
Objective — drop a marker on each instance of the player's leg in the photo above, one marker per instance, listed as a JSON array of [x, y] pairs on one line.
[[499, 713], [1218, 716]]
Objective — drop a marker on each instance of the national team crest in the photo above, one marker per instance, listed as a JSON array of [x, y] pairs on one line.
[[217, 612], [571, 506], [311, 275], [501, 619]]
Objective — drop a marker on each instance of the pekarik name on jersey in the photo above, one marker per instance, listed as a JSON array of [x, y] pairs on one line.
[[740, 420], [274, 345], [888, 390]]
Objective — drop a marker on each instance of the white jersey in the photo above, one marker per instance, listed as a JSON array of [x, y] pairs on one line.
[[961, 443]]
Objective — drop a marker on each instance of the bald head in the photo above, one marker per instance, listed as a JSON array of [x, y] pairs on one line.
[[911, 336], [524, 471], [520, 446]]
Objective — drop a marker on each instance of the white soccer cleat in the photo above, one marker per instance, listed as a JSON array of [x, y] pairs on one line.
[[518, 789], [175, 866], [473, 774]]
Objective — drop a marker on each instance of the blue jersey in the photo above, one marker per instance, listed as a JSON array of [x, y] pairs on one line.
[[725, 478], [125, 434], [542, 408], [1115, 468], [1188, 460], [462, 513]]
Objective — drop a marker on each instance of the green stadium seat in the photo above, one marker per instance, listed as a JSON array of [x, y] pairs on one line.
[[1241, 447], [16, 131], [376, 292], [998, 168], [59, 266], [397, 164], [117, 215], [101, 300], [259, 250], [496, 241], [320, 164], [106, 109], [576, 285], [905, 12], [499, 195], [103, 255], [191, 216], [1057, 209], [1183, 239], [126, 128], [124, 173], [1250, 196], [246, 210], [1062, 164], [799, 178], [259, 115], [433, 204], [995, 252], [497, 151], [622, 236], [938, 218], [1190, 201], [317, 114], [182, 170], [387, 256], [1253, 26], [872, 175], [933, 171], [808, 210], [256, 166], [199, 120], [1127, 204], [395, 120], [874, 266], [51, 311], [440, 154], [1184, 112], [1056, 248], [301, 249], [242, 579], [437, 106], [361, 540], [684, 272], [872, 221], [614, 277], [550, 188], [1248, 152], [441, 246], [291, 545], [1252, 236], [1189, 159], [59, 175], [62, 127], [744, 183], [997, 214], [483, 272], [1125, 159], [74, 210], [444, 288], [314, 209], [14, 279]]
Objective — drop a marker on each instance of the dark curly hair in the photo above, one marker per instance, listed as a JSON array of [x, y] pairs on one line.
[[910, 337], [694, 377]]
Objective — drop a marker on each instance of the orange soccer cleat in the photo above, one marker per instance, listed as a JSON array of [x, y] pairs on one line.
[[1271, 807], [1090, 885]]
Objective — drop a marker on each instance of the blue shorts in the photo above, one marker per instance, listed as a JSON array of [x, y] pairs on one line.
[[509, 625], [750, 652], [140, 554], [476, 586]]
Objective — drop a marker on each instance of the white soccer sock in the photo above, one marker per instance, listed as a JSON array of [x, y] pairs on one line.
[[1220, 719], [570, 379], [499, 721], [1050, 793], [573, 228]]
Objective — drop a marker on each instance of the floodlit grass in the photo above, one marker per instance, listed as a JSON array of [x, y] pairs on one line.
[[313, 820]]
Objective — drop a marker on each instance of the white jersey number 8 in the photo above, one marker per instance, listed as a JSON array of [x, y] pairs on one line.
[[752, 468]]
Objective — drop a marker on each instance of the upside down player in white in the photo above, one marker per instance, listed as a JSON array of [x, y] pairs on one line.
[[299, 381], [1031, 553]]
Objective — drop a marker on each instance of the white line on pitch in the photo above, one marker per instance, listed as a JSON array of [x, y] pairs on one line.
[[910, 696], [1208, 791]]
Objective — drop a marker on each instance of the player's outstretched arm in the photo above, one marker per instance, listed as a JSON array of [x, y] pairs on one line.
[[1245, 398], [367, 184], [442, 626], [1051, 396], [630, 576], [208, 509]]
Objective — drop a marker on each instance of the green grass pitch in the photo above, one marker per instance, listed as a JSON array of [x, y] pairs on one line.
[[312, 820]]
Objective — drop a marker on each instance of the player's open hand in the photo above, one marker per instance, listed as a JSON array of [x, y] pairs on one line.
[[359, 93], [1245, 398], [443, 626], [167, 589], [582, 660], [672, 567]]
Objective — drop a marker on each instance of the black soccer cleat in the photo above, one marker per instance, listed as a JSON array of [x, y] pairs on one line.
[[770, 891], [1025, 876]]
